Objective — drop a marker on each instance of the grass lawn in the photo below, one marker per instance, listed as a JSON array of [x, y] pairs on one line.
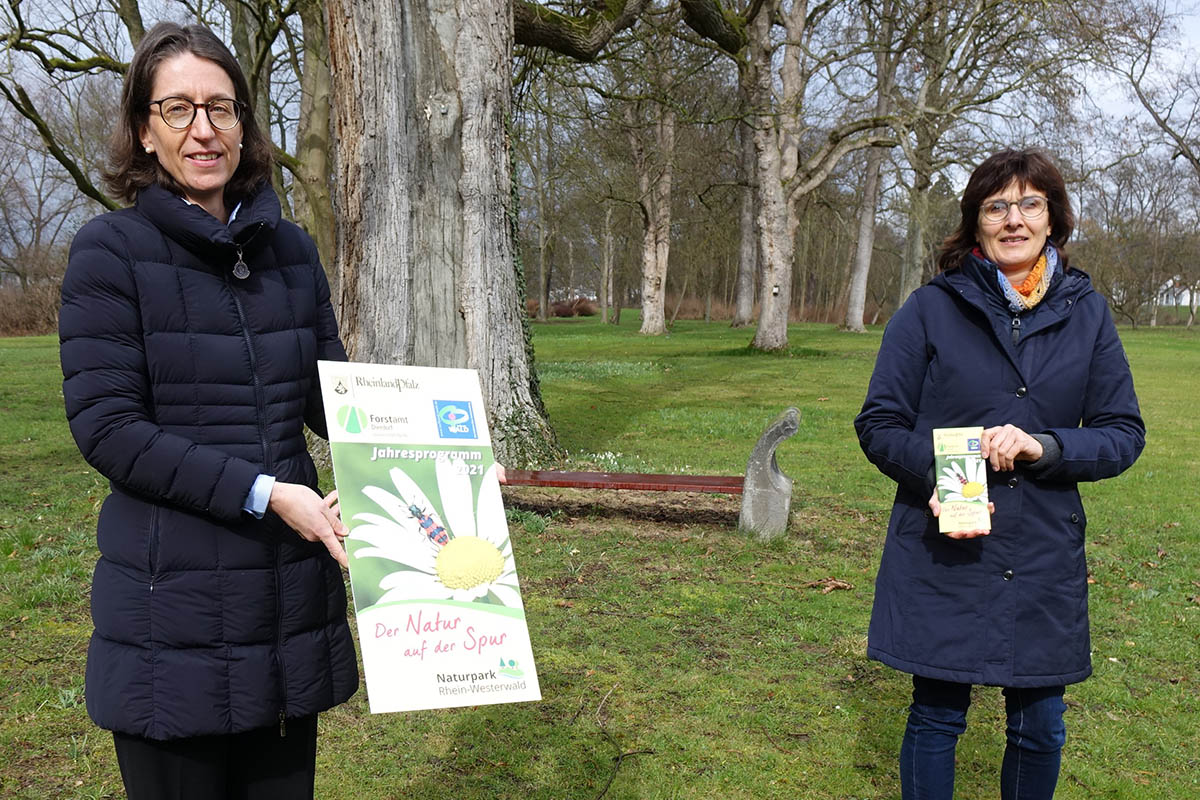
[[677, 658]]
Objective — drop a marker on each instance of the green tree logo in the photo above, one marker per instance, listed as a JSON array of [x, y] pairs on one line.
[[352, 420]]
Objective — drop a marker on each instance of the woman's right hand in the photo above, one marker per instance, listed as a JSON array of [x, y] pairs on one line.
[[936, 508], [314, 518]]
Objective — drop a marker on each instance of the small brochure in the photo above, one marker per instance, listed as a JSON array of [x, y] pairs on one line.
[[961, 479], [436, 595]]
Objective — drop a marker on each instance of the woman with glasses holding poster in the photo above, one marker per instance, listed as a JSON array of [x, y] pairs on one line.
[[1008, 337], [190, 330]]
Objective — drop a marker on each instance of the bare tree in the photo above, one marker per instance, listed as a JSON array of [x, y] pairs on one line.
[[1134, 235], [801, 132], [36, 207], [968, 60], [878, 29]]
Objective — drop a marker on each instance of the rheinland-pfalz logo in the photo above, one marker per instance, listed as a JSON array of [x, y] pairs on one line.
[[455, 419]]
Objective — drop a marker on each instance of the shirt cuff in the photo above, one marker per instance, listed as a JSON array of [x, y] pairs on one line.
[[260, 495]]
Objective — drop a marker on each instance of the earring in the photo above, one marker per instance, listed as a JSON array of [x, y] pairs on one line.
[[149, 149], [239, 145]]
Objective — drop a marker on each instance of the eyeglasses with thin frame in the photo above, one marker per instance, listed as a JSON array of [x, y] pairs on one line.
[[1031, 207], [224, 113]]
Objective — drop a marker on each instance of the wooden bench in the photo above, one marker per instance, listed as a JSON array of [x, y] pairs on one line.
[[766, 491], [645, 481]]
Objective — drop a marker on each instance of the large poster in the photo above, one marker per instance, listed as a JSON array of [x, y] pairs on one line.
[[436, 596]]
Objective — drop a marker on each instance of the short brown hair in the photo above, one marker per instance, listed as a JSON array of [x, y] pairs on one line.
[[130, 167], [1031, 167]]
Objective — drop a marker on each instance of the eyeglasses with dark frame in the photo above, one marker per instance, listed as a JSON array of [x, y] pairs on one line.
[[224, 113], [1031, 207]]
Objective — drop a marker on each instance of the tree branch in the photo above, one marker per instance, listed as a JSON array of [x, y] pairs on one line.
[[712, 21], [24, 106], [581, 38], [131, 16]]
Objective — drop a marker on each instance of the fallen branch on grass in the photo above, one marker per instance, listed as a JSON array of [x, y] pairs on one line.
[[618, 760], [621, 756], [828, 585]]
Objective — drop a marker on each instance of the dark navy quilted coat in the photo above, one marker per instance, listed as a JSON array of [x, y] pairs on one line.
[[183, 383], [1010, 608]]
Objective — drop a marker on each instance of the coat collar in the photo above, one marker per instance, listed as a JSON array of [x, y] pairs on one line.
[[201, 232], [975, 283]]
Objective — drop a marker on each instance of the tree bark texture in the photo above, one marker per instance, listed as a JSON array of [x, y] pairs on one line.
[[775, 216], [655, 174], [748, 261], [865, 247], [425, 242], [606, 264], [131, 16], [313, 201], [885, 73], [916, 249], [249, 43], [543, 168], [580, 37]]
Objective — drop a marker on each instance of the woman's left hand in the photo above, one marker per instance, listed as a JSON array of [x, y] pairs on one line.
[[1004, 445], [312, 517], [936, 508]]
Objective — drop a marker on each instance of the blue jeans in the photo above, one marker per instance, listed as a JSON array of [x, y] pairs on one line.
[[937, 716]]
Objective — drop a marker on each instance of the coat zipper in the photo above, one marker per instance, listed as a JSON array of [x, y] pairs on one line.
[[1016, 330], [260, 410], [153, 545], [279, 649], [259, 403]]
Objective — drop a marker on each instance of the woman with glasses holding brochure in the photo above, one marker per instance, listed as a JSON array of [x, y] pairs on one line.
[[1006, 336], [190, 330]]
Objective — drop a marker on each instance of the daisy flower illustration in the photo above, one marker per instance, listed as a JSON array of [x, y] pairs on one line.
[[453, 559], [964, 481]]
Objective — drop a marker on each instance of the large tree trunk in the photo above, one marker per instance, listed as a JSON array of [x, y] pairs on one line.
[[655, 174], [748, 262], [856, 299], [916, 248], [885, 65], [425, 240], [665, 136], [865, 246], [775, 231], [777, 245], [313, 202]]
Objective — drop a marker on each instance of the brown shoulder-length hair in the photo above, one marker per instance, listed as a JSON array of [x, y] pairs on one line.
[[130, 167], [1032, 168]]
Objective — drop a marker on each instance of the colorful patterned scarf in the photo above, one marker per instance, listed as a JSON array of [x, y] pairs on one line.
[[1030, 292]]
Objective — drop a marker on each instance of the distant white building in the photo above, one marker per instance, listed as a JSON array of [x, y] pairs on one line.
[[1175, 292]]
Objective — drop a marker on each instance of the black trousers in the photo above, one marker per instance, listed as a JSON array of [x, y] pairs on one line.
[[255, 765]]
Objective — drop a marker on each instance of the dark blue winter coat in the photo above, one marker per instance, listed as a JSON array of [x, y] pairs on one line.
[[1010, 608], [182, 383]]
